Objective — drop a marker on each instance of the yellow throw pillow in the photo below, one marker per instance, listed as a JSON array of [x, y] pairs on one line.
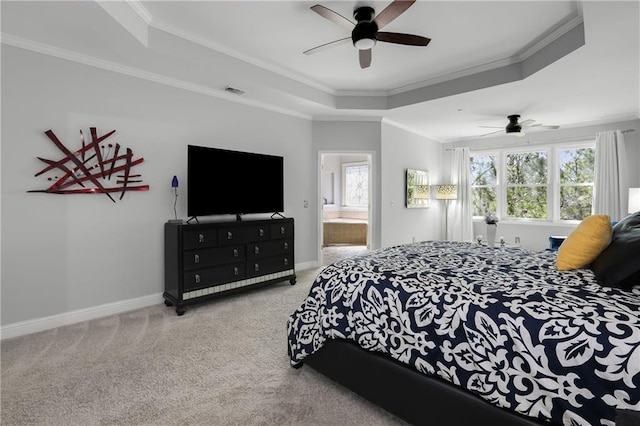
[[585, 243]]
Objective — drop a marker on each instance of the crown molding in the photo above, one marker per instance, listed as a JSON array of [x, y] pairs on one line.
[[68, 55], [140, 10], [163, 26], [355, 118], [546, 40], [549, 38], [131, 15]]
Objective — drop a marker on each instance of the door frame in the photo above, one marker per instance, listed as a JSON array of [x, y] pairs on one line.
[[371, 219]]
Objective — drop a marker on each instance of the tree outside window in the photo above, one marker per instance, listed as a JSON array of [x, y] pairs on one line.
[[356, 184], [552, 183], [577, 175], [484, 180], [526, 184]]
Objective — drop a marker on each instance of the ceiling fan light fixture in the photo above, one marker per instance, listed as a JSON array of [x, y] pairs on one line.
[[365, 43], [364, 33]]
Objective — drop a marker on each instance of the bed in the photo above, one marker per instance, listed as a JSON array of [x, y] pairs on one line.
[[454, 333]]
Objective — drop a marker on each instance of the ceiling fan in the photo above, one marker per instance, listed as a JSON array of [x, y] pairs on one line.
[[365, 33], [517, 128]]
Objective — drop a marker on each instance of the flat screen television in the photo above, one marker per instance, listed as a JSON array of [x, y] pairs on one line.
[[221, 181]]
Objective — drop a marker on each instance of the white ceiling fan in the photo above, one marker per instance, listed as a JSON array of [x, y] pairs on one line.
[[517, 128]]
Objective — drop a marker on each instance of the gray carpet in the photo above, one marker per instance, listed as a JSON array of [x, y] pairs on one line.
[[334, 253], [223, 363]]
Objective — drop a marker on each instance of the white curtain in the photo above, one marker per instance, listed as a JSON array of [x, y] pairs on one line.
[[610, 186], [460, 217]]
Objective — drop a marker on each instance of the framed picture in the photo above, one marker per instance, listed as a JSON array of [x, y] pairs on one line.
[[418, 189]]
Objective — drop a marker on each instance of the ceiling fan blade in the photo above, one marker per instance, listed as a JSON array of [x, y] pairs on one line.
[[526, 123], [399, 38], [365, 58], [333, 16], [492, 127], [544, 126], [327, 45], [391, 12], [493, 133]]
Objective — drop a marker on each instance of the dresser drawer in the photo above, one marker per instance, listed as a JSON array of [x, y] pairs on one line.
[[204, 258], [269, 266], [201, 278], [258, 233], [227, 236], [282, 230], [194, 238], [269, 248]]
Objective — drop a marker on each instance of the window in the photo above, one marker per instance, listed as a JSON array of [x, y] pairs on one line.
[[549, 183], [356, 184], [577, 173], [526, 185], [484, 181]]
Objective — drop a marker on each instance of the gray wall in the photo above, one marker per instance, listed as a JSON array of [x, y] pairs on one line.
[[403, 150], [348, 137], [64, 253], [71, 257]]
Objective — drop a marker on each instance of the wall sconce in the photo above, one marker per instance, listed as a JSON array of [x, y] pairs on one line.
[[634, 200], [446, 193]]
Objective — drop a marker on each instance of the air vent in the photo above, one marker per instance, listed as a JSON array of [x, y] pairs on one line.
[[234, 90]]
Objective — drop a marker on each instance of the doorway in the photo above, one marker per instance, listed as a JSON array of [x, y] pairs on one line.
[[345, 200]]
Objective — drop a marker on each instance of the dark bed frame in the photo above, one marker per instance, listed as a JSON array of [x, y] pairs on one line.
[[412, 396]]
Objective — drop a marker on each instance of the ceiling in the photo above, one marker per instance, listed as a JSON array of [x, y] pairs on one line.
[[566, 63]]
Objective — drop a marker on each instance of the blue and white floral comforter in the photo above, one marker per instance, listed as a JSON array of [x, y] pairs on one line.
[[505, 324]]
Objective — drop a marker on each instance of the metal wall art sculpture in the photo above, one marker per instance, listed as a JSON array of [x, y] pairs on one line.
[[90, 169]]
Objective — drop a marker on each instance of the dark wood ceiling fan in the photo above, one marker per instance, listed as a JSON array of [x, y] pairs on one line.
[[366, 32]]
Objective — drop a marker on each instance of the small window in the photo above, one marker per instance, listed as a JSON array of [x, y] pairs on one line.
[[356, 184]]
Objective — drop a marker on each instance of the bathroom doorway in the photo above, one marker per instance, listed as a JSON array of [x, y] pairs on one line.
[[345, 200]]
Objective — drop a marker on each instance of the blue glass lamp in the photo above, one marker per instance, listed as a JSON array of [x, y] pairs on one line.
[[174, 185]]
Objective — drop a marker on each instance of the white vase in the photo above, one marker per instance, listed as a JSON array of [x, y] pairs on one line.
[[491, 234]]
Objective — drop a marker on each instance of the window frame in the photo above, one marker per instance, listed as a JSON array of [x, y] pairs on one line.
[[553, 181]]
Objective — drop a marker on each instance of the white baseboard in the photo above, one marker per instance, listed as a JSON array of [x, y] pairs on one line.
[[41, 324], [307, 265]]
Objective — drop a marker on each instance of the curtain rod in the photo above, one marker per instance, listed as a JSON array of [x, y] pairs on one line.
[[573, 139]]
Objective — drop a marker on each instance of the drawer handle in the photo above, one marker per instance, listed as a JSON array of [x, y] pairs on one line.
[[229, 235], [261, 232], [201, 238], [197, 277], [256, 267], [236, 271], [286, 261], [282, 229], [235, 253], [256, 250], [286, 246], [196, 258]]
